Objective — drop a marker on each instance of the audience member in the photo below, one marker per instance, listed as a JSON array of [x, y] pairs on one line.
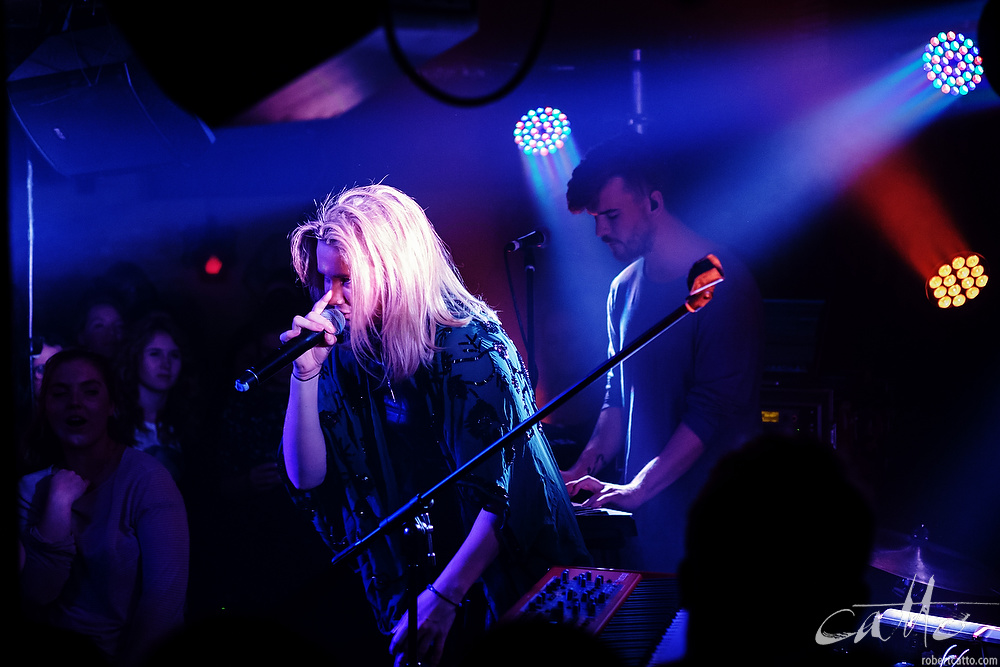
[[150, 365], [46, 348], [778, 540], [101, 325], [102, 525]]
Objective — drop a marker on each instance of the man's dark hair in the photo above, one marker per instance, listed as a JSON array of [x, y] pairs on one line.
[[631, 156]]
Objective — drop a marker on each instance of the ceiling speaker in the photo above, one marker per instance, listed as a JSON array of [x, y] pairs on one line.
[[88, 113]]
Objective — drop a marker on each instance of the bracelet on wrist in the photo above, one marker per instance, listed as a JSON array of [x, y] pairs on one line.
[[456, 605], [302, 379]]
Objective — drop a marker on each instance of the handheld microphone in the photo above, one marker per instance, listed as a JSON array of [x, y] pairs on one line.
[[535, 239], [288, 352]]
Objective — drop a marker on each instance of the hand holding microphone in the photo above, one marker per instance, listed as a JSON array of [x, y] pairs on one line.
[[312, 335], [306, 344]]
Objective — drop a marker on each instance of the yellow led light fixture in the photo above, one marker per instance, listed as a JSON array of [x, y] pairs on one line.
[[958, 281]]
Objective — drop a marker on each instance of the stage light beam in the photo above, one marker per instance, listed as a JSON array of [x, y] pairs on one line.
[[911, 216]]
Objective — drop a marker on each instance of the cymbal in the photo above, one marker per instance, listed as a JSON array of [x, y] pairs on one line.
[[918, 559]]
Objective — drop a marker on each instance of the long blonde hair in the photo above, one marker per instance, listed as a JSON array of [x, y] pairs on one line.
[[404, 282]]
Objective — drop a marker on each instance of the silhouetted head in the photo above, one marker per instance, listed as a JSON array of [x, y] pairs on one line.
[[778, 532]]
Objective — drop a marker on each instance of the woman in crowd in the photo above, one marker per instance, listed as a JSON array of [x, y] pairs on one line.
[[103, 528], [150, 365]]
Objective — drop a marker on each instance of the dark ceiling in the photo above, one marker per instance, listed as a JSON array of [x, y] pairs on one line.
[[217, 60]]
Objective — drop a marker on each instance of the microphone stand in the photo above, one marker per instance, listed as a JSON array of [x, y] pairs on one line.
[[413, 516], [420, 551], [529, 282]]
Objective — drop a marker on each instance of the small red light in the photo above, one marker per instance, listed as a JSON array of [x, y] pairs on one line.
[[213, 266]]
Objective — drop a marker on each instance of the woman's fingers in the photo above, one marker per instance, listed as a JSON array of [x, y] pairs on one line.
[[311, 321]]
